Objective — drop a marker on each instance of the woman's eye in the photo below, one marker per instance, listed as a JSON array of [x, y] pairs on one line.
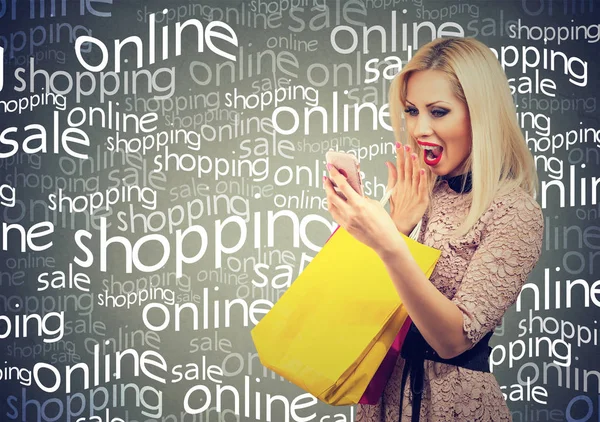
[[436, 112]]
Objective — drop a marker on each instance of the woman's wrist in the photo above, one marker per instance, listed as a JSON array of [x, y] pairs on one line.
[[405, 230], [393, 249]]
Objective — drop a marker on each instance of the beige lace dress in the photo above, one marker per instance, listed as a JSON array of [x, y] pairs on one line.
[[482, 273]]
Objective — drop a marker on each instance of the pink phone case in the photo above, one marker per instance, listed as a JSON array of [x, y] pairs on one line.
[[348, 165]]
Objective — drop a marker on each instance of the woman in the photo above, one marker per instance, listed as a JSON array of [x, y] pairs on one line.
[[466, 171]]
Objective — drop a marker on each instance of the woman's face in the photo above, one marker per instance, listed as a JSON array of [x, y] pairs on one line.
[[435, 116]]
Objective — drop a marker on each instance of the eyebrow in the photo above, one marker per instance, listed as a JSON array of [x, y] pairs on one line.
[[435, 102]]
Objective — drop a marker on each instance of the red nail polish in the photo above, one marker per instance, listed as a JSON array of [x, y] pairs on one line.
[[407, 147], [398, 145]]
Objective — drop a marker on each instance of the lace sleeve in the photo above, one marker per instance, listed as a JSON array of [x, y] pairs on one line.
[[368, 413], [509, 249]]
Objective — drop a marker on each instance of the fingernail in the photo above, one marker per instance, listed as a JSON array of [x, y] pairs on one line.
[[414, 156], [407, 147], [329, 166], [324, 179], [398, 145]]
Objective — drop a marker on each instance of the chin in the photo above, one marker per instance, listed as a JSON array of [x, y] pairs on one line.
[[439, 171]]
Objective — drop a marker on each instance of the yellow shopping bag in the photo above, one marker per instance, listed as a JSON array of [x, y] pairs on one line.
[[331, 329]]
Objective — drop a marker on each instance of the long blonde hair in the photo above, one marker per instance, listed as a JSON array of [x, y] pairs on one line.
[[499, 159]]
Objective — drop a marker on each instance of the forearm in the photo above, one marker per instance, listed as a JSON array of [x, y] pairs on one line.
[[438, 319]]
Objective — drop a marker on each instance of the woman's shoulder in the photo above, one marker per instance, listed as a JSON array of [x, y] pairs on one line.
[[516, 199], [519, 207]]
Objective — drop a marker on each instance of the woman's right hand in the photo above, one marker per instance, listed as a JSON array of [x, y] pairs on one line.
[[410, 198]]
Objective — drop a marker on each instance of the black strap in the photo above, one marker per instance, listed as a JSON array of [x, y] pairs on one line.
[[415, 350]]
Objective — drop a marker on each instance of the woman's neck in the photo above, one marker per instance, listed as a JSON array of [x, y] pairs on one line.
[[456, 182]]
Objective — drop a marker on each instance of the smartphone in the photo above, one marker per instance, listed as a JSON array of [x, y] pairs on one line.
[[348, 165]]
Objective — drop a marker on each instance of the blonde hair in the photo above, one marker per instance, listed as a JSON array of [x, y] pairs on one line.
[[499, 159]]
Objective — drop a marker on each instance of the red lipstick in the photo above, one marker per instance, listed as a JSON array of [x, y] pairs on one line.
[[430, 157]]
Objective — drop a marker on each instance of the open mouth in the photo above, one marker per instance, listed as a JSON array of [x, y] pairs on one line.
[[432, 154]]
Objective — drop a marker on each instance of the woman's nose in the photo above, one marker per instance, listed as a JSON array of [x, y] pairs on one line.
[[423, 126]]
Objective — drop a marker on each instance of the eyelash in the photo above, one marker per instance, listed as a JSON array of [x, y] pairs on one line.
[[442, 111]]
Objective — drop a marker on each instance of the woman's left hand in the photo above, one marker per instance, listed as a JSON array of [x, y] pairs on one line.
[[364, 218]]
